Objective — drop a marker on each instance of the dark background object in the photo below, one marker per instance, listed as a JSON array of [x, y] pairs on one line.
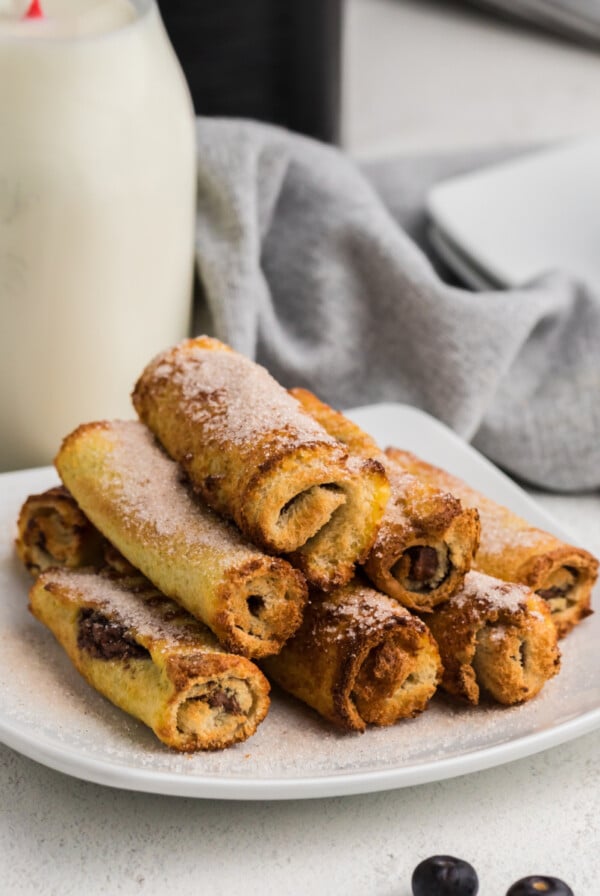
[[271, 60]]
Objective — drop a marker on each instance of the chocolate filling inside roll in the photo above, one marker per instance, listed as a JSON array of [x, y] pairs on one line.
[[560, 592], [52, 531], [47, 532], [211, 705], [391, 677], [148, 656], [106, 640], [422, 567]]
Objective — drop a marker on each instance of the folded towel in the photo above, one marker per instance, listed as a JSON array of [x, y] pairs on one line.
[[306, 270]]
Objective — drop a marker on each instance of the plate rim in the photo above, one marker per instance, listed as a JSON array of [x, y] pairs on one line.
[[105, 772]]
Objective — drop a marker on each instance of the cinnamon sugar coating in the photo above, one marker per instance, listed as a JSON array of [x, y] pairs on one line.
[[497, 638], [513, 550], [258, 458], [420, 520], [178, 680], [359, 658], [136, 496]]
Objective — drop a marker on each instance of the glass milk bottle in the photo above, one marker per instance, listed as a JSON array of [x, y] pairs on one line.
[[97, 200]]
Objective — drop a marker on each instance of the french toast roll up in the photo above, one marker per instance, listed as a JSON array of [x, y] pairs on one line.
[[513, 550], [497, 638], [70, 540], [358, 658], [255, 456], [151, 658], [137, 497], [426, 540], [52, 531]]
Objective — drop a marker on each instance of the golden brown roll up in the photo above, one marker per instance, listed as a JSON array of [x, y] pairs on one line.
[[134, 494], [426, 539], [338, 425], [52, 531], [256, 457], [496, 637], [151, 658], [359, 658], [69, 539], [513, 550]]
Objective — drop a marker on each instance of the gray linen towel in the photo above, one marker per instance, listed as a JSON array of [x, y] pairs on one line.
[[306, 270]]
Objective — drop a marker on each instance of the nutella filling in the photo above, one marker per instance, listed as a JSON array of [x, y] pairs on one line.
[[47, 533], [422, 568], [423, 563], [559, 593], [222, 699], [106, 640], [214, 706]]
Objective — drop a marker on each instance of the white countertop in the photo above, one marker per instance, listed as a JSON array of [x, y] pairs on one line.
[[61, 836]]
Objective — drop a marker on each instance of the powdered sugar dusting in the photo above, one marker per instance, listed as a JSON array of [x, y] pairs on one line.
[[234, 400], [135, 604], [496, 594], [353, 614], [499, 530], [149, 489], [360, 610]]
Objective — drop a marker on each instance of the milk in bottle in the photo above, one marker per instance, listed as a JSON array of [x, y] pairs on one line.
[[97, 190]]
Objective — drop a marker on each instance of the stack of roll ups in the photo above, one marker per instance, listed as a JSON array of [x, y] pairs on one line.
[[239, 533]]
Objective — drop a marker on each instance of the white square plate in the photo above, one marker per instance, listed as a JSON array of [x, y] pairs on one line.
[[506, 224], [49, 713]]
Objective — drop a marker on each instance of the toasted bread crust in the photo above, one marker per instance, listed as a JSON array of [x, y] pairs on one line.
[[179, 681], [513, 550], [134, 494], [359, 658], [258, 458], [52, 531], [496, 637], [419, 519]]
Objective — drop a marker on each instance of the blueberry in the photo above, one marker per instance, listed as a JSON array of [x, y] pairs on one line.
[[539, 885], [444, 876]]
